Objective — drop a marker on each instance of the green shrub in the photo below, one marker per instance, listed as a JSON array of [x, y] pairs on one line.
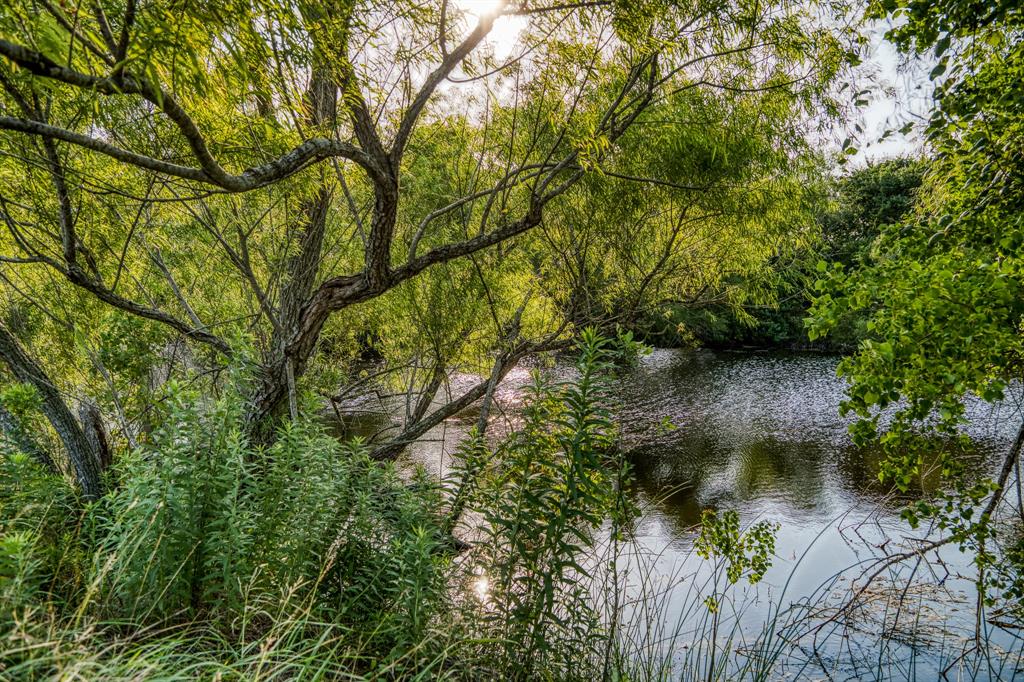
[[549, 487], [304, 558]]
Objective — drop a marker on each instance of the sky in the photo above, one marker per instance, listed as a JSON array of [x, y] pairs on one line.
[[903, 94]]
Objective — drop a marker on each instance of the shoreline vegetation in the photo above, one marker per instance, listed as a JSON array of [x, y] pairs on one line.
[[353, 571], [329, 565], [221, 219]]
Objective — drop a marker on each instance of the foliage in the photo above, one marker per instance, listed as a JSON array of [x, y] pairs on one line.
[[624, 351], [767, 308], [746, 553], [866, 201], [178, 526], [548, 490], [204, 523], [40, 513], [184, 184], [192, 535], [308, 540], [190, 188], [942, 295], [20, 399]]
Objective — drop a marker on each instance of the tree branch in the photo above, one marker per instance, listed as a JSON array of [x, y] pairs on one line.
[[452, 60], [209, 171]]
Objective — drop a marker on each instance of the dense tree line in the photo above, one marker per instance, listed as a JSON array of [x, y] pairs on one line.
[[769, 310]]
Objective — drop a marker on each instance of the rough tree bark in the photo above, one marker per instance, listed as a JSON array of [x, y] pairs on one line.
[[96, 433], [85, 461], [303, 266]]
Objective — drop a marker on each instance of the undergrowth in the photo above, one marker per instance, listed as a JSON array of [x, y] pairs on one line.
[[212, 557]]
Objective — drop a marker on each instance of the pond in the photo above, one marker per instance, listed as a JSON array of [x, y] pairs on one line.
[[761, 433]]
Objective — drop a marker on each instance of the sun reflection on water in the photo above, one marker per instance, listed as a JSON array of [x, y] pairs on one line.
[[481, 585]]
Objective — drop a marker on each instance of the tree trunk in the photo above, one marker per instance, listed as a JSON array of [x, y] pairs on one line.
[[96, 433], [84, 460], [12, 426], [277, 382]]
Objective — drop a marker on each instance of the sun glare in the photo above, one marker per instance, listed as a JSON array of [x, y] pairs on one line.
[[482, 587], [505, 32], [481, 584], [481, 8]]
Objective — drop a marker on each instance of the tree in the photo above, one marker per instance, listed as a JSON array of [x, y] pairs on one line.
[[84, 457], [766, 303], [867, 200], [251, 171], [943, 295]]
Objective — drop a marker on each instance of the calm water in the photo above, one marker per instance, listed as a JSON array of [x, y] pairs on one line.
[[761, 433]]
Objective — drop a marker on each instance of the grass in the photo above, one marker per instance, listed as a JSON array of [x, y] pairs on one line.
[[215, 559]]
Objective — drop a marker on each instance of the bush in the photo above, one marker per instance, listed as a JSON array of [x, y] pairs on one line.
[[304, 558]]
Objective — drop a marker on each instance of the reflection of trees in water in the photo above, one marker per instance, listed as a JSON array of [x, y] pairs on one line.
[[793, 470], [351, 425], [699, 470], [750, 428], [724, 459], [676, 475], [859, 468]]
